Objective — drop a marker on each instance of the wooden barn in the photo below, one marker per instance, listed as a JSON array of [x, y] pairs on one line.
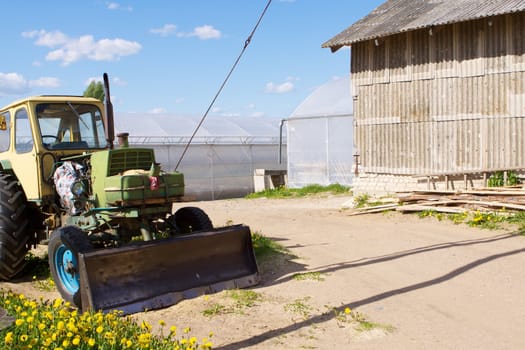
[[439, 93]]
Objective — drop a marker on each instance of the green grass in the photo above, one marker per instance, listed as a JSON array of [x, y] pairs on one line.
[[236, 301], [285, 192], [353, 317], [486, 220], [314, 276], [244, 297], [299, 307], [265, 248]]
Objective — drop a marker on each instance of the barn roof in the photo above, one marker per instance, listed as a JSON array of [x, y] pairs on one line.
[[396, 16]]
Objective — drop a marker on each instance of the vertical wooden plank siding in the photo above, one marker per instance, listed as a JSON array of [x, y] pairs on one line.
[[442, 100]]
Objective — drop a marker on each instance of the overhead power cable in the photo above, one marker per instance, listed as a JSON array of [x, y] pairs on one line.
[[246, 43]]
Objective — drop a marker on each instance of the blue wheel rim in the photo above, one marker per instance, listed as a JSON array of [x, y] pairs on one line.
[[64, 257]]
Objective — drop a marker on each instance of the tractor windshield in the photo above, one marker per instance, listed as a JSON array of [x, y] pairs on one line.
[[71, 126]]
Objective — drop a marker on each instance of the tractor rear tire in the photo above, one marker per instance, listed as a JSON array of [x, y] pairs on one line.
[[63, 249], [14, 227], [192, 219]]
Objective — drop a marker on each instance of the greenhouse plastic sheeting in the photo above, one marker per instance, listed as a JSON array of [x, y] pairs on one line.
[[320, 146]]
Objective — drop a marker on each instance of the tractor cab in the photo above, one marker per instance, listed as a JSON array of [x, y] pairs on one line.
[[68, 125]]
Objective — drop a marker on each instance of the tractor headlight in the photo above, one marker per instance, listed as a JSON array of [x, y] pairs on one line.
[[78, 188]]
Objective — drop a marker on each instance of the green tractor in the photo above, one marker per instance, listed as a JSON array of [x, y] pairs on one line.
[[105, 212]]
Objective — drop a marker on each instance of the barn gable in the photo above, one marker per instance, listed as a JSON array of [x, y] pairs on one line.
[[439, 90]]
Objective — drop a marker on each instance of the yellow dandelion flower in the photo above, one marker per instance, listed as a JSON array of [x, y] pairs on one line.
[[19, 322], [23, 338], [60, 325], [91, 342], [66, 343], [21, 296], [30, 319], [99, 329], [76, 341], [207, 345], [348, 310], [173, 330], [8, 339], [187, 330], [145, 325], [7, 302], [57, 303], [72, 328], [162, 323], [144, 338]]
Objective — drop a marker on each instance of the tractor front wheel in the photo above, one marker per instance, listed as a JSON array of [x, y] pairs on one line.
[[64, 246], [191, 219], [14, 227]]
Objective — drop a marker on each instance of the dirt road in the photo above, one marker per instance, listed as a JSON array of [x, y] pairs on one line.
[[418, 283]]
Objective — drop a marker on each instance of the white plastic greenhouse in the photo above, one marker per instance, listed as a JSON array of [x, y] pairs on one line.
[[320, 144], [221, 160]]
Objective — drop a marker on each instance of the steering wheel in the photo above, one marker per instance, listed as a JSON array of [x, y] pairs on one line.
[[54, 137]]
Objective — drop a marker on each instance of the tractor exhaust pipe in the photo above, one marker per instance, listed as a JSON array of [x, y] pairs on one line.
[[109, 124]]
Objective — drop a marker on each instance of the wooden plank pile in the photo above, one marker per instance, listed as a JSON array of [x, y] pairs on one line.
[[480, 199]]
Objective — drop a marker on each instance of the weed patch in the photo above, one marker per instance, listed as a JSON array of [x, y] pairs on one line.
[[285, 192], [55, 325], [314, 276]]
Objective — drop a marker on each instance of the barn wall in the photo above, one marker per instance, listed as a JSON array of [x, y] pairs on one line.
[[442, 100]]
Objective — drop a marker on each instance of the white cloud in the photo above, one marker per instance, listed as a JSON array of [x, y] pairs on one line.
[[166, 30], [90, 79], [204, 32], [117, 6], [258, 114], [113, 81], [16, 84], [45, 82], [12, 83], [157, 110], [283, 88], [69, 50], [118, 81]]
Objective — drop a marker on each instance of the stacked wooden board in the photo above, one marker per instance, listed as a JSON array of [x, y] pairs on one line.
[[480, 199]]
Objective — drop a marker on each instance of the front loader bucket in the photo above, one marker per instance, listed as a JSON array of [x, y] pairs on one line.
[[159, 273]]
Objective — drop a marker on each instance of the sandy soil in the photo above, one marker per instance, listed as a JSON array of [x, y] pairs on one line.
[[420, 283]]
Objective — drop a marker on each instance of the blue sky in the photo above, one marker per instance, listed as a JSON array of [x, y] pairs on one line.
[[172, 56]]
